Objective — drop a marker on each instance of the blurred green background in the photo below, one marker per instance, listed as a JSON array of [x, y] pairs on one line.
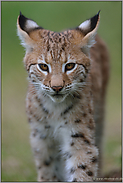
[[17, 158]]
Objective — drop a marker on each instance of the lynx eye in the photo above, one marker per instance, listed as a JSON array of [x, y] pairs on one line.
[[43, 67], [69, 66]]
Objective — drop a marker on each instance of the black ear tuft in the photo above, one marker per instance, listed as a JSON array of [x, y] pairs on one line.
[[27, 24], [22, 21], [94, 21], [20, 13], [89, 25]]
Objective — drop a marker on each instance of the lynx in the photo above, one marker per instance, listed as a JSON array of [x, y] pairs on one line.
[[68, 73]]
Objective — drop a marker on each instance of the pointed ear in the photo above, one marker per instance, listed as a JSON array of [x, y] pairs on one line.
[[88, 31], [24, 27]]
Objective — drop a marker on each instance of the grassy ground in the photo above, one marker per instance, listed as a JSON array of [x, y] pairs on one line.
[[17, 160]]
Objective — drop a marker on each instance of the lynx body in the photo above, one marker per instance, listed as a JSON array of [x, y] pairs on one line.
[[68, 74]]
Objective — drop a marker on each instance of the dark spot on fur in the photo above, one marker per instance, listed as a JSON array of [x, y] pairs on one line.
[[38, 100], [74, 180], [63, 48], [94, 160], [35, 132], [89, 173], [45, 110], [86, 141], [50, 39], [90, 111], [42, 177], [67, 110], [36, 117], [89, 152], [72, 143], [30, 112], [59, 150], [77, 121], [47, 126], [78, 96], [60, 126], [72, 170], [85, 76], [91, 125], [39, 167], [81, 135], [67, 155], [76, 135], [82, 166], [66, 123], [48, 47], [29, 106], [84, 115], [40, 105], [81, 80], [48, 162]]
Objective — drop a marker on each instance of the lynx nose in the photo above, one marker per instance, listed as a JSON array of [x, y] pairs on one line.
[[57, 88]]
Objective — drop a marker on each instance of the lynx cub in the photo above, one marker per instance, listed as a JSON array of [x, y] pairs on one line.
[[68, 73]]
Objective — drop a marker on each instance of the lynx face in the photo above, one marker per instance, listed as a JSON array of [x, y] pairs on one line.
[[59, 73], [57, 63]]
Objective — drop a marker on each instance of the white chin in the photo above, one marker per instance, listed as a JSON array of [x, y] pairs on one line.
[[57, 98]]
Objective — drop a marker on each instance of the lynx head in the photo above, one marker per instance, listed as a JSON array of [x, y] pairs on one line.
[[57, 63]]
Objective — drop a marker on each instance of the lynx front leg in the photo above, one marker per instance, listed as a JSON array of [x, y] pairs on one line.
[[81, 159], [45, 154]]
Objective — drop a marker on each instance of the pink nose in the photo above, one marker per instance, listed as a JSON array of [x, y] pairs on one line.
[[57, 88]]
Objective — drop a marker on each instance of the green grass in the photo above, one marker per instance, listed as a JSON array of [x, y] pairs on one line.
[[17, 158]]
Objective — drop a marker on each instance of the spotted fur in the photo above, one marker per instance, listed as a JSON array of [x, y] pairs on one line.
[[68, 74]]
